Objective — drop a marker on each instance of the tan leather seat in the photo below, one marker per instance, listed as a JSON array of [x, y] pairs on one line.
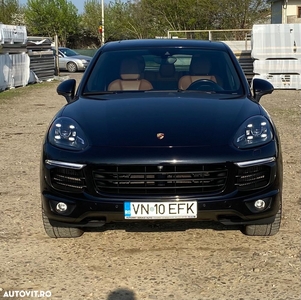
[[167, 70], [167, 79], [200, 68], [130, 73]]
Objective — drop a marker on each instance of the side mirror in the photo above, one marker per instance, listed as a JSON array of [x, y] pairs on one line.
[[261, 87], [67, 89]]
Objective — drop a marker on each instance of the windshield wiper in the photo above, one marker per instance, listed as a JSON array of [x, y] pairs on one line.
[[110, 92], [197, 91], [99, 93]]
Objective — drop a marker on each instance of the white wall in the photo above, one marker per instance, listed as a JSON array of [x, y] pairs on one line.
[[292, 7]]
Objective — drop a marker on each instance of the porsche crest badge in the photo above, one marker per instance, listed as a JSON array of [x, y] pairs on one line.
[[160, 135]]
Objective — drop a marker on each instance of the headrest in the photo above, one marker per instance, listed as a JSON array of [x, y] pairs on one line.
[[130, 69], [200, 65], [167, 70]]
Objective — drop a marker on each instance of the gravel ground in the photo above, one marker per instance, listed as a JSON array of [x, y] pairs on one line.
[[170, 261]]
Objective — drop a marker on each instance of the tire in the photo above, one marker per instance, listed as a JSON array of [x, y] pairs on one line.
[[71, 67], [264, 229], [60, 232]]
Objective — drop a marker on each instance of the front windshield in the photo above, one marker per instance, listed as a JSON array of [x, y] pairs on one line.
[[68, 52], [164, 69]]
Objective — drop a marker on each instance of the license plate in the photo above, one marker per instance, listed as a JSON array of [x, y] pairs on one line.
[[160, 210]]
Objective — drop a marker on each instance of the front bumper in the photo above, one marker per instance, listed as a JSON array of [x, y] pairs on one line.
[[82, 66], [228, 211], [95, 204]]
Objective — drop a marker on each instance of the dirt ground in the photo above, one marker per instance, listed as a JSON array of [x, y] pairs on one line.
[[170, 261]]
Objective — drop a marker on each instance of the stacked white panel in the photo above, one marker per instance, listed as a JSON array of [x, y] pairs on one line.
[[284, 81], [276, 49], [15, 70], [14, 61], [11, 34], [285, 66], [3, 83], [276, 41]]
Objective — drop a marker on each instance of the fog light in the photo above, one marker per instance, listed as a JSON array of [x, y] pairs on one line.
[[61, 207], [259, 204]]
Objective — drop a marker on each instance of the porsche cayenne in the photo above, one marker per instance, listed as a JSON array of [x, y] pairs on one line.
[[162, 130]]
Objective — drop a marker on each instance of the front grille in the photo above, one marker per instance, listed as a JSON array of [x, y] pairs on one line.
[[252, 178], [68, 180], [164, 180]]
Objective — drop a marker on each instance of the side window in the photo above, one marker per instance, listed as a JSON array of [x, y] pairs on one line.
[[182, 63], [152, 63]]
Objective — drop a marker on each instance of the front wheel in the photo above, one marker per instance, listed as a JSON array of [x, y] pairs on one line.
[[60, 232], [71, 67], [264, 229]]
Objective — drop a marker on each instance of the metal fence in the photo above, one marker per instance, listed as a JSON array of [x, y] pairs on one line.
[[216, 35]]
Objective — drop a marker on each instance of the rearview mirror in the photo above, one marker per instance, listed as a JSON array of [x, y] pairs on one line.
[[67, 89], [261, 87]]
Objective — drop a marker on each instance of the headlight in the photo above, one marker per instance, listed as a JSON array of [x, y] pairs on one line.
[[84, 61], [255, 131], [66, 133]]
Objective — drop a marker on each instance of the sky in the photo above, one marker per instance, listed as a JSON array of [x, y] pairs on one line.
[[78, 3]]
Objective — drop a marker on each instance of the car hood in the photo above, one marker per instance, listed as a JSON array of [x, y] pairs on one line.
[[161, 121]]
